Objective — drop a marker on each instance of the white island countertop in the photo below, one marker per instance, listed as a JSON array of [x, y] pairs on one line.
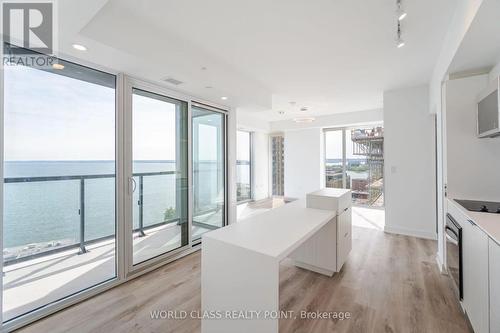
[[488, 222], [275, 233]]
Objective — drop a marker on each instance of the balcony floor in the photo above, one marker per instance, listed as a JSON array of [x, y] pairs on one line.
[[34, 283]]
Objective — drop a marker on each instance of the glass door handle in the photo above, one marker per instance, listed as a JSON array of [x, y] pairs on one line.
[[131, 185]]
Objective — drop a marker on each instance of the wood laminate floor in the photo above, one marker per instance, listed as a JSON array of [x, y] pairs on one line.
[[390, 283]]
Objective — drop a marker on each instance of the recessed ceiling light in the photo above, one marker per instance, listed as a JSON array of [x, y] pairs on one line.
[[304, 120], [57, 66], [79, 47], [223, 98]]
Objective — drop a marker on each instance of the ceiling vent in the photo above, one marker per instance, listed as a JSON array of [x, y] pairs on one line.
[[173, 81]]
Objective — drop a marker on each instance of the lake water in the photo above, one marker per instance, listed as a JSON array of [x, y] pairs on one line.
[[46, 211]]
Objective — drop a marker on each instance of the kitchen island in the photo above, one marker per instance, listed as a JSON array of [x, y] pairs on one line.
[[240, 262]]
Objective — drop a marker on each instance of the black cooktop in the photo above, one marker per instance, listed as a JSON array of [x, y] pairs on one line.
[[480, 206]]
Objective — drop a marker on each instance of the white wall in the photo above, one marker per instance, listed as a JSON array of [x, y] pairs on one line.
[[374, 116], [409, 153], [465, 12], [249, 122], [260, 165], [495, 72], [303, 162], [473, 163]]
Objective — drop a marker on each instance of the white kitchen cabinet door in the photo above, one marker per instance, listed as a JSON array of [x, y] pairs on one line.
[[494, 286], [475, 275], [344, 237]]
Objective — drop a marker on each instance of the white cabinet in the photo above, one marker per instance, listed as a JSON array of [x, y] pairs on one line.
[[494, 249], [344, 237], [475, 275], [319, 253]]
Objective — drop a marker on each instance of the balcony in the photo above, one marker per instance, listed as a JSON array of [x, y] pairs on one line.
[[40, 273]]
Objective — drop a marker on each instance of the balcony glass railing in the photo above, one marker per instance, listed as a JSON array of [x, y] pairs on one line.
[[92, 219]]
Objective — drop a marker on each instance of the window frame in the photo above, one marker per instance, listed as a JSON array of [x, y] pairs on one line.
[[344, 130], [122, 127], [250, 167]]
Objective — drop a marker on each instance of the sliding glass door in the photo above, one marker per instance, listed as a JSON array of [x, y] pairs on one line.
[[209, 176], [59, 219], [159, 174], [104, 177]]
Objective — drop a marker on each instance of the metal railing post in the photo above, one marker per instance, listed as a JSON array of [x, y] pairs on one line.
[[141, 207], [82, 217]]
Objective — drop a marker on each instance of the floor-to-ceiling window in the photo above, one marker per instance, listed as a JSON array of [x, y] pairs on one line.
[[354, 160], [160, 171], [365, 165], [334, 159], [97, 180], [59, 219], [243, 166], [209, 177]]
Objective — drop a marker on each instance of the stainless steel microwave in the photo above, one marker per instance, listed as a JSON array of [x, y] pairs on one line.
[[488, 111]]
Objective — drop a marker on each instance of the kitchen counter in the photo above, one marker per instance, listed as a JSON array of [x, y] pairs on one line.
[[275, 233], [488, 222], [240, 262]]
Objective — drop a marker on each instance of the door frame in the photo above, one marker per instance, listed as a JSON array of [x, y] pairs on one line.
[[123, 217], [225, 113]]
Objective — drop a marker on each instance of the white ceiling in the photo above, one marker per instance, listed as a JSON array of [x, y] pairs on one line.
[[480, 48], [331, 56]]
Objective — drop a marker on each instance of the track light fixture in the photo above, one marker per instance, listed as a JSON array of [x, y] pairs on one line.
[[401, 14], [399, 40]]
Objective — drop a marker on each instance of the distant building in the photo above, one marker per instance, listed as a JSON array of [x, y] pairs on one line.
[[278, 165], [369, 143]]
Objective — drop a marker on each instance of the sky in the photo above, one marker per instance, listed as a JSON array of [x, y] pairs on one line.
[[333, 145], [243, 146], [54, 117]]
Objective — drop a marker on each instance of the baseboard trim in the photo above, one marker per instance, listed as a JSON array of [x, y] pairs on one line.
[[316, 269], [410, 232], [440, 264]]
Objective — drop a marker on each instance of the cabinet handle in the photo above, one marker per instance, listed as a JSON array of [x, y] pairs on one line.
[[471, 222], [346, 234]]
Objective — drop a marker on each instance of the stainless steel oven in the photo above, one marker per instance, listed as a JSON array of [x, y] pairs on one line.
[[454, 253]]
